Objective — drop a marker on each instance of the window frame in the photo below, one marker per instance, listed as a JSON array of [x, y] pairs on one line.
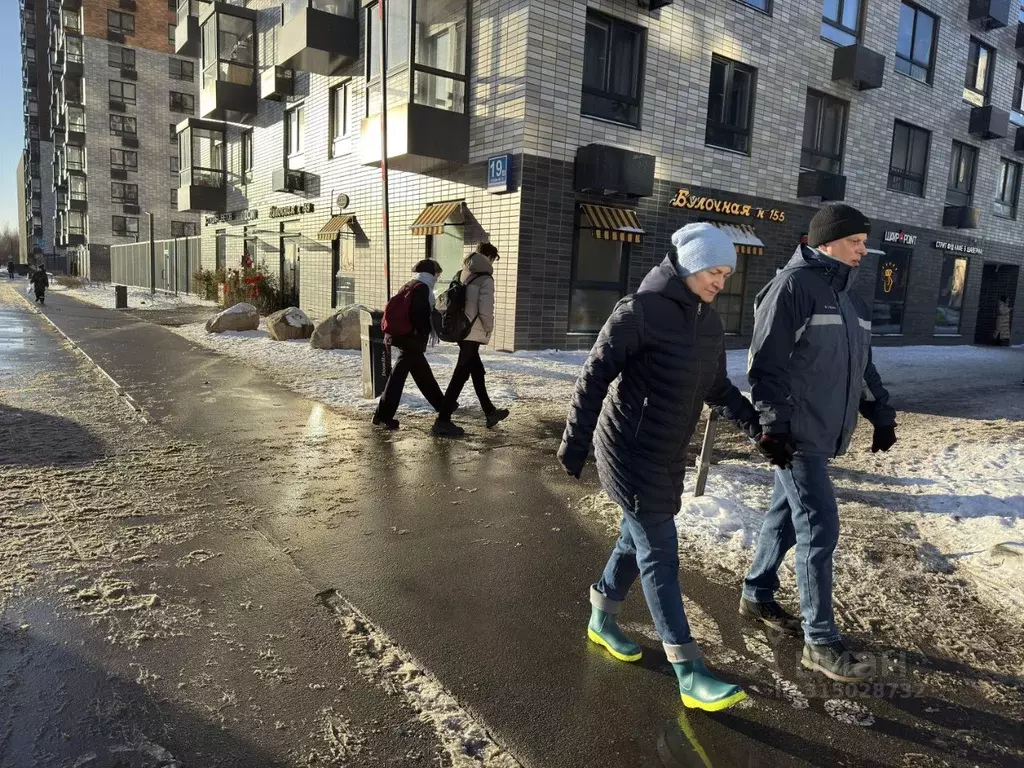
[[957, 153], [621, 285], [180, 108], [974, 49], [175, 164], [1018, 89], [768, 6], [633, 102], [121, 86], [1000, 204], [124, 120], [128, 232], [125, 153], [120, 63], [124, 199], [181, 65], [186, 228], [903, 173], [119, 16], [295, 137], [747, 132], [338, 130], [937, 328], [817, 151], [930, 75], [837, 23], [246, 155]]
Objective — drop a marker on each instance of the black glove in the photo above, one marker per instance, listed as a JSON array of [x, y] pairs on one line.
[[884, 439], [572, 465], [778, 449]]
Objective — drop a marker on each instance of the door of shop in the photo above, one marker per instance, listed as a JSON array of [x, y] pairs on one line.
[[997, 280], [290, 263]]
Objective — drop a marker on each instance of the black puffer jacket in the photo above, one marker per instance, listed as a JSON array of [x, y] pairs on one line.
[[669, 348], [419, 318]]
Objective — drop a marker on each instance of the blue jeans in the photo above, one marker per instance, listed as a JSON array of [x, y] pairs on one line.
[[647, 547], [804, 514]]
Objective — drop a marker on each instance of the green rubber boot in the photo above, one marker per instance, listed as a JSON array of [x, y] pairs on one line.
[[605, 632], [699, 689]]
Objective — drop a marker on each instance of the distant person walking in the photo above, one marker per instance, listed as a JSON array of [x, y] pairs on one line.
[[407, 328], [1003, 314], [40, 282], [658, 359], [478, 277], [10, 269]]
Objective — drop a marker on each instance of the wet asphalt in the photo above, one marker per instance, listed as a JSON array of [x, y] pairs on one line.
[[470, 556]]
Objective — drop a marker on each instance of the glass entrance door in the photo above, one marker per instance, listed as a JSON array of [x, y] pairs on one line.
[[291, 257]]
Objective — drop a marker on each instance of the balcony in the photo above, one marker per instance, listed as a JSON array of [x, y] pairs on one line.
[[821, 184], [229, 90], [287, 180], [202, 180], [989, 122], [187, 41], [858, 65], [990, 14], [71, 5], [960, 217], [420, 138], [277, 84], [72, 60], [319, 36]]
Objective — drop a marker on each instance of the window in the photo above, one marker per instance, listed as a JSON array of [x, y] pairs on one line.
[[339, 117], [247, 164], [915, 42], [448, 250], [294, 136], [960, 188], [980, 65], [890, 292], [76, 223], [71, 20], [76, 119], [174, 197], [76, 158], [840, 21], [730, 105], [908, 163], [1007, 190], [121, 23], [175, 164], [122, 92], [760, 5], [121, 125], [124, 193], [170, 34], [125, 226], [173, 132], [729, 302], [228, 49], [599, 272], [183, 229], [120, 58], [124, 159], [950, 304], [77, 188], [440, 60], [182, 102], [180, 69], [221, 243], [1018, 90], [613, 64], [824, 129]]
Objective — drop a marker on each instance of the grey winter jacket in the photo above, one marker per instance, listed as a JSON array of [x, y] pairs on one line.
[[658, 359], [810, 366]]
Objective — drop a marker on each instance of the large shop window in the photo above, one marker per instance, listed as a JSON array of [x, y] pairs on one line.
[[840, 21], [962, 163], [890, 291], [908, 163], [915, 42], [448, 250], [613, 69], [980, 66], [824, 133], [950, 305], [1007, 190], [730, 105]]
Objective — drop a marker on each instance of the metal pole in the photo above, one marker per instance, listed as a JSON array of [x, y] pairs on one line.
[[175, 266], [704, 462], [152, 256], [384, 142]]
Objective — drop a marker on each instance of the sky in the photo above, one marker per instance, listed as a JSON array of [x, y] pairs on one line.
[[12, 121]]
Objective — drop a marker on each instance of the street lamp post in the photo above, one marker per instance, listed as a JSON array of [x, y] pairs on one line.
[[152, 256], [384, 142]]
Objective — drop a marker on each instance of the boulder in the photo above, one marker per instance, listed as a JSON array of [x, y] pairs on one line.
[[339, 331], [288, 324], [240, 317]]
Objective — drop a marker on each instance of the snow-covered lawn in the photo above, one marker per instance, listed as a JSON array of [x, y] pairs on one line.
[[102, 295]]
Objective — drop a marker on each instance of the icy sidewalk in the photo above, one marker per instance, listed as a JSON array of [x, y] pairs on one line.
[[102, 295]]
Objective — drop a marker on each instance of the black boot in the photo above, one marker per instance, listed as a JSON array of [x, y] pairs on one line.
[[771, 614], [390, 424], [836, 663], [444, 428], [496, 417]]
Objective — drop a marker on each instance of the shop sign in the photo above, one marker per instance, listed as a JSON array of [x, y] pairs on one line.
[[684, 199], [892, 281], [974, 250], [280, 211], [901, 238], [498, 177], [245, 215]]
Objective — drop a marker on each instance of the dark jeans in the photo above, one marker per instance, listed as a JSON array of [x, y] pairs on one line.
[[803, 514], [468, 365], [415, 363]]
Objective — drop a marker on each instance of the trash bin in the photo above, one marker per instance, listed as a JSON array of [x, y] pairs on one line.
[[120, 297], [376, 356]]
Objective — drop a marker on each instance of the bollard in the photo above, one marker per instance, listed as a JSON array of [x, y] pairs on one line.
[[120, 297], [376, 357]]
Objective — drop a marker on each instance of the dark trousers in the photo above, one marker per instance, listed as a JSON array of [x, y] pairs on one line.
[[415, 363], [468, 365]]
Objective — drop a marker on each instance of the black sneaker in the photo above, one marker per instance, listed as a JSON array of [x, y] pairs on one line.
[[390, 424], [836, 663], [447, 429], [496, 417], [772, 615]]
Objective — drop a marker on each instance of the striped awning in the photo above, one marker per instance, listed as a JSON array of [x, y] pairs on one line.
[[744, 238], [434, 217], [614, 223], [332, 229]]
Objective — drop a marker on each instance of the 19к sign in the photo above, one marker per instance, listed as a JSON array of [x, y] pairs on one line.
[[499, 178]]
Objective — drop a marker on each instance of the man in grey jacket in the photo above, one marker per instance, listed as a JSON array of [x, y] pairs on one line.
[[810, 372]]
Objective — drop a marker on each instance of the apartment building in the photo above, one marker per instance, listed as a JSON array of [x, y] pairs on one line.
[[111, 91], [578, 135], [35, 230]]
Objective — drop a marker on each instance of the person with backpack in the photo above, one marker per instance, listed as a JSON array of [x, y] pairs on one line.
[[477, 279], [658, 359], [407, 327]]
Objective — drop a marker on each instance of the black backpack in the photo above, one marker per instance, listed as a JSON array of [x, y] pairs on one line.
[[449, 316]]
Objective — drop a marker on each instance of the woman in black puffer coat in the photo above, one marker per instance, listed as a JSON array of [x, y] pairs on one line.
[[658, 359]]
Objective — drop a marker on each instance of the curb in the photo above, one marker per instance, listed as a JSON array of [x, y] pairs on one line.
[[137, 409]]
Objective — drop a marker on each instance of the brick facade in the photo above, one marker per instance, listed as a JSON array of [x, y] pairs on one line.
[[152, 18]]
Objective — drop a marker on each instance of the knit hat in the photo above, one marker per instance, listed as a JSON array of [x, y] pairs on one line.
[[836, 221], [702, 246]]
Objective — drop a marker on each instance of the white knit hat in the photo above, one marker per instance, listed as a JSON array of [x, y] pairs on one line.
[[702, 246]]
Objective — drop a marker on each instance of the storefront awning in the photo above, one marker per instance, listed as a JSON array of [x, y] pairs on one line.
[[333, 228], [743, 238], [614, 223], [434, 217]]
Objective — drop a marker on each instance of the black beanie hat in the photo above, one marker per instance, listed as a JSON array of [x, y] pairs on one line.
[[836, 221]]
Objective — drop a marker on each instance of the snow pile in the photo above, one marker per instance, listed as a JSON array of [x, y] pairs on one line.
[[102, 295], [241, 308]]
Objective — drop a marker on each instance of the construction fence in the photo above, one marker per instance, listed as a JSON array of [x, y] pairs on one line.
[[174, 264]]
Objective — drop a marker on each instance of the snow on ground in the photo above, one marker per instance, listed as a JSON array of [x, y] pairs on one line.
[[102, 295]]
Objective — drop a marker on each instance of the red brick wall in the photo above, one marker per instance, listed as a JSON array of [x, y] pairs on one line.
[[151, 20]]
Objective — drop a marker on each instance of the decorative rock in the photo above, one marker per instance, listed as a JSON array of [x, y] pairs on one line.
[[240, 317], [288, 324], [339, 331]]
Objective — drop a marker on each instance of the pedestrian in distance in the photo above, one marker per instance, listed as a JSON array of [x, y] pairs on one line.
[[810, 372], [10, 269], [658, 359], [478, 278], [40, 282], [1001, 336], [407, 328]]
